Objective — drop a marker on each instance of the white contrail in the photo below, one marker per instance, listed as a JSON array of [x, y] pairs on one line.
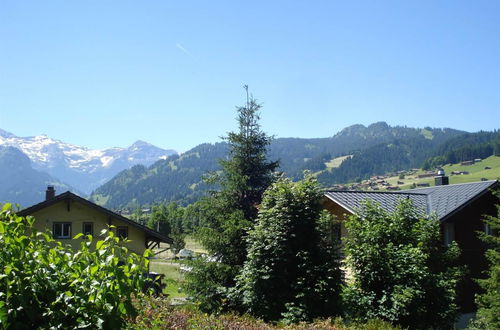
[[184, 50]]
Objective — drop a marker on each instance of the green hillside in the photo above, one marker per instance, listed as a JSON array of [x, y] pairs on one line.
[[336, 162], [477, 172]]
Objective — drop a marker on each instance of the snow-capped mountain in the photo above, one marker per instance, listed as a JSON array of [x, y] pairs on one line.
[[83, 168]]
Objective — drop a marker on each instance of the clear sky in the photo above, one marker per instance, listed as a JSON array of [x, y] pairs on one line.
[[103, 73]]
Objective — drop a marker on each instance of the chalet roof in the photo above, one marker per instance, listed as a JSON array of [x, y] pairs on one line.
[[69, 196], [444, 201]]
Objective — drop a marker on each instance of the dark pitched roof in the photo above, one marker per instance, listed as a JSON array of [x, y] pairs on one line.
[[446, 200], [70, 196], [351, 200], [442, 200]]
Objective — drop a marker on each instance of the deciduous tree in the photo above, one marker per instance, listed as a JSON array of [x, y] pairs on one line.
[[168, 220]]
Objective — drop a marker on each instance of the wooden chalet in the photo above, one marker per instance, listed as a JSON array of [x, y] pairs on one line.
[[460, 208], [68, 214]]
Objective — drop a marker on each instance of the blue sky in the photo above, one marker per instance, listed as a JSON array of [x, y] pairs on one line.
[[107, 73]]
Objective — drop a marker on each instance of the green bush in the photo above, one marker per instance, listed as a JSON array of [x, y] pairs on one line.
[[401, 272], [44, 284], [208, 283], [292, 271]]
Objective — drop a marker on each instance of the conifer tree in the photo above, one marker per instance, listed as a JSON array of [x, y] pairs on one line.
[[230, 211], [488, 313], [247, 173]]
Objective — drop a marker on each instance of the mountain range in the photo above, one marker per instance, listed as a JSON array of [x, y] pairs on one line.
[[375, 149], [82, 168], [142, 174]]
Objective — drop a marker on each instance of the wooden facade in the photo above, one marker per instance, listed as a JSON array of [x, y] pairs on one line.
[[467, 223]]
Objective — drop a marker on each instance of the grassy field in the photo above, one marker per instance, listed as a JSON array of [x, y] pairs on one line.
[[169, 269], [335, 162], [165, 264], [191, 244], [173, 277], [476, 173]]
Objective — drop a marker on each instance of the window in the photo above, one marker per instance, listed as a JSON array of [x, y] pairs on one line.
[[62, 230], [88, 228], [449, 233], [487, 229], [122, 232]]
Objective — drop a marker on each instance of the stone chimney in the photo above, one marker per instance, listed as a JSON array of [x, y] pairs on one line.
[[50, 193], [441, 179]]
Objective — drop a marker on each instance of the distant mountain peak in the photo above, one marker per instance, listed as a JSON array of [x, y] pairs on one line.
[[355, 129], [379, 124], [6, 134], [140, 143]]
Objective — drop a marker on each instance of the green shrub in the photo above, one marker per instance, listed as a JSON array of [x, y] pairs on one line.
[[156, 313], [401, 272], [292, 270], [47, 285], [208, 283]]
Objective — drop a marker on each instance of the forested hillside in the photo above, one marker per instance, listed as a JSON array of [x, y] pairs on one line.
[[297, 155], [466, 147], [413, 153], [376, 149], [178, 178], [379, 159]]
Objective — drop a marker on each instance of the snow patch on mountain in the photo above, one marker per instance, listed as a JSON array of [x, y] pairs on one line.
[[106, 161]]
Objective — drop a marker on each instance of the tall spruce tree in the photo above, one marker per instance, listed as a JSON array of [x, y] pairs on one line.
[[230, 211], [247, 173]]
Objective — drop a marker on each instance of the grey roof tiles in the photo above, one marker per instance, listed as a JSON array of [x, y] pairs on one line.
[[442, 200]]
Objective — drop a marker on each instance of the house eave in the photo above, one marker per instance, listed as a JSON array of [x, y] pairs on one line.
[[69, 196]]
